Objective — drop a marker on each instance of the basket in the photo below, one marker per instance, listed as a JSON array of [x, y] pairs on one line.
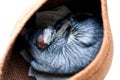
[[10, 64]]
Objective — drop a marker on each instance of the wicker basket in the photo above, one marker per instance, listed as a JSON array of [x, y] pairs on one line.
[[10, 66]]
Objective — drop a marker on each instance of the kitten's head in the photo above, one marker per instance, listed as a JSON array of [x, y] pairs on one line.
[[46, 37]]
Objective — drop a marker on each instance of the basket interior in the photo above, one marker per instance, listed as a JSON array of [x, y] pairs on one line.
[[17, 67]]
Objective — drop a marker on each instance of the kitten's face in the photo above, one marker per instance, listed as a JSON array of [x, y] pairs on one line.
[[46, 37]]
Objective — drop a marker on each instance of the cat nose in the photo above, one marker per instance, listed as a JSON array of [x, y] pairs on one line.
[[41, 43]]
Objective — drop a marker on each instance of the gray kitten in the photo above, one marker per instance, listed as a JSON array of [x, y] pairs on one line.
[[68, 53]]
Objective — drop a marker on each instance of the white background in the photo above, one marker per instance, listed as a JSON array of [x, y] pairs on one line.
[[11, 9], [114, 17]]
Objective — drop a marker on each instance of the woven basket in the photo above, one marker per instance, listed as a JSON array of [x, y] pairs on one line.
[[10, 64]]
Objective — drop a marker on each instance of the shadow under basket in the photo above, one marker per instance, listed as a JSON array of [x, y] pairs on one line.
[[15, 67]]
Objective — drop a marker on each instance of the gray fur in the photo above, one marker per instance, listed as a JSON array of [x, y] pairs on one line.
[[69, 54]]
